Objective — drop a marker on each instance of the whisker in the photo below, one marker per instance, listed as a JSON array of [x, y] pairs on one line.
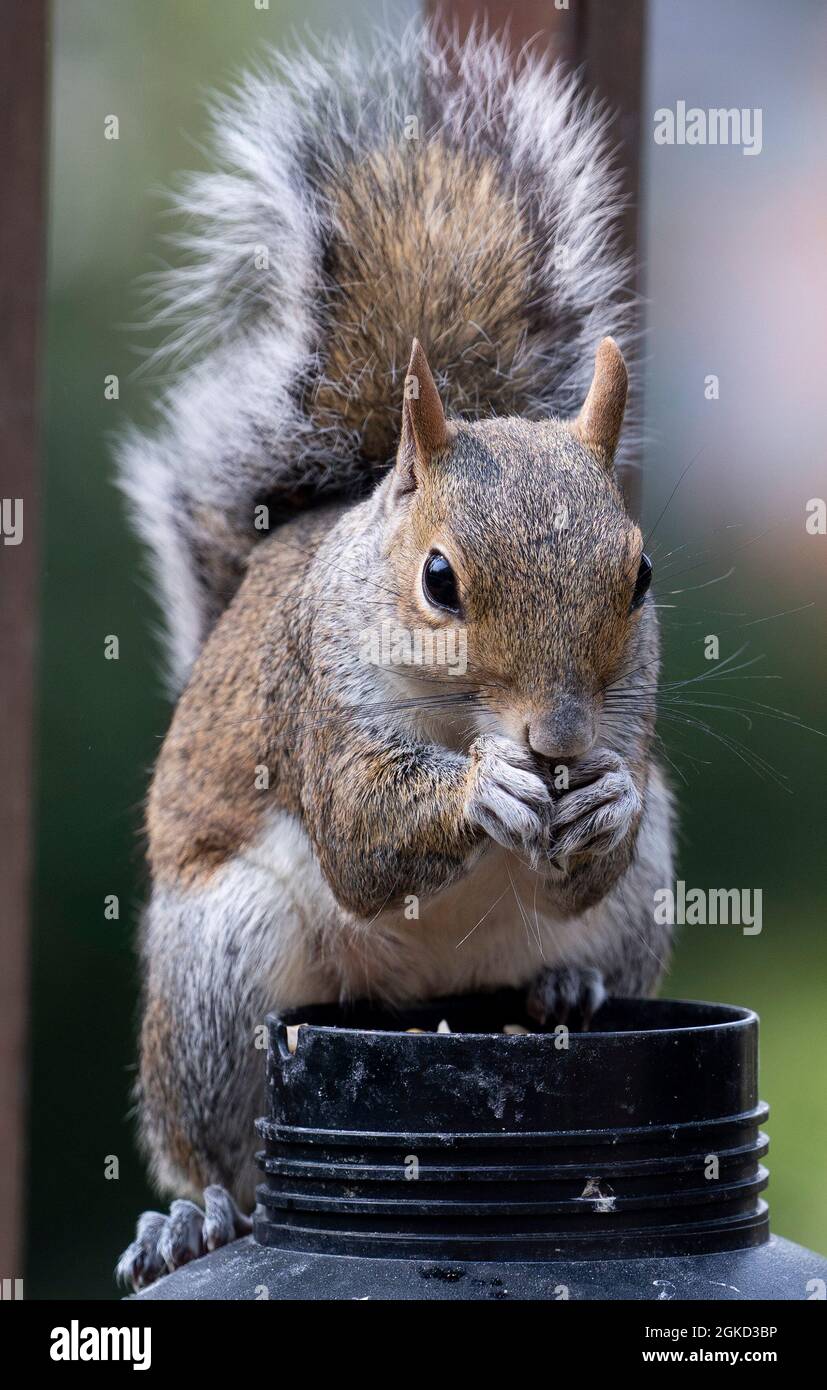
[[690, 464], [743, 546], [482, 918], [691, 588], [751, 759], [786, 614]]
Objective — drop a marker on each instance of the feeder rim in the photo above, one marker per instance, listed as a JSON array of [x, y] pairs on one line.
[[735, 1016]]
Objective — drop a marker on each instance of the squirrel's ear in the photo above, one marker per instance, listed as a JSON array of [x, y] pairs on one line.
[[598, 424], [425, 431]]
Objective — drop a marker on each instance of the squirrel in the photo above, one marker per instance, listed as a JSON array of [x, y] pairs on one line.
[[399, 273]]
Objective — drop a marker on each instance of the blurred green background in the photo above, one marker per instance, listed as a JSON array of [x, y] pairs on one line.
[[734, 276]]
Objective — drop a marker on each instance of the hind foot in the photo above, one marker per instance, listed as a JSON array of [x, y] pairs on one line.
[[566, 994], [163, 1243]]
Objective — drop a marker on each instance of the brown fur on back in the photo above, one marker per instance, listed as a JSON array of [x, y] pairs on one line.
[[207, 800]]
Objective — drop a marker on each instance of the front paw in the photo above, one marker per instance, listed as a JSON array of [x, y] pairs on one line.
[[163, 1243], [600, 808], [506, 798]]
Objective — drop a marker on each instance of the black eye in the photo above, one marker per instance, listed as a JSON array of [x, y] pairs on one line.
[[644, 579], [439, 583]]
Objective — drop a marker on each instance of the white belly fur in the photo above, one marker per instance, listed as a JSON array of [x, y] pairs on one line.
[[493, 927]]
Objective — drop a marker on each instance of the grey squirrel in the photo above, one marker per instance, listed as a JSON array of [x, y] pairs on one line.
[[324, 826]]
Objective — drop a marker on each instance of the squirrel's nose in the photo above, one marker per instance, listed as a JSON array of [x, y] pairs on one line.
[[567, 731]]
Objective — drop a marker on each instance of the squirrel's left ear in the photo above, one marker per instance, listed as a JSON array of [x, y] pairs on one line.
[[599, 422], [425, 430]]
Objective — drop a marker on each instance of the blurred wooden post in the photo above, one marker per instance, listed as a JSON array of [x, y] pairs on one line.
[[22, 170], [606, 38]]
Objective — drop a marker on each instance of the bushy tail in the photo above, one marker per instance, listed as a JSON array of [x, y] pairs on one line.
[[357, 200]]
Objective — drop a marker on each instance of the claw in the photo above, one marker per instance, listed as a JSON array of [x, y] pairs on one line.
[[141, 1263], [181, 1238], [223, 1221]]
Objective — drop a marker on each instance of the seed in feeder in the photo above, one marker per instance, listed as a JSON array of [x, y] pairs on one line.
[[514, 1029], [442, 1026], [293, 1035], [414, 1030]]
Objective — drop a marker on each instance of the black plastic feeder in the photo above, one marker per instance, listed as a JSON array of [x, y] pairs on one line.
[[620, 1163]]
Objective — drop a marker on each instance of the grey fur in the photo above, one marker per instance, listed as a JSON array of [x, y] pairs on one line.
[[233, 428]]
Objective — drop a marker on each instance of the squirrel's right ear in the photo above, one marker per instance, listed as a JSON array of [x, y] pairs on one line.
[[599, 422], [425, 430]]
